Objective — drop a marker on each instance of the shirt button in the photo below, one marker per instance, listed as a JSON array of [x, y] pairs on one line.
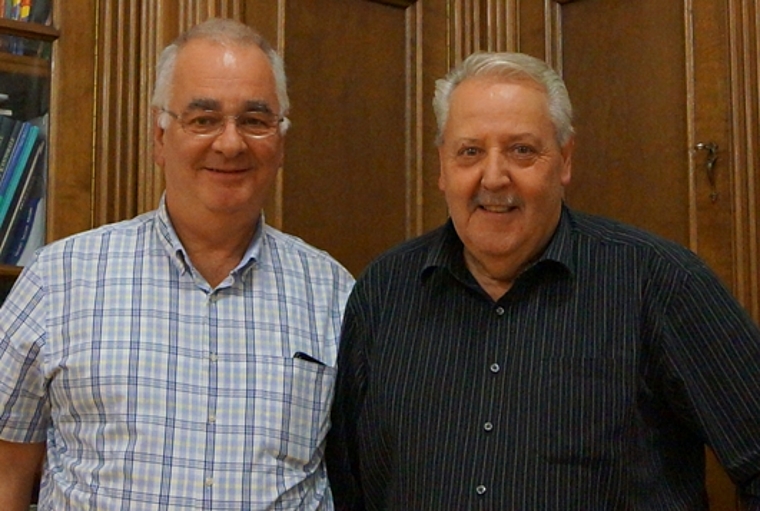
[[209, 481], [212, 418], [500, 311], [495, 368], [480, 489], [488, 426], [213, 357]]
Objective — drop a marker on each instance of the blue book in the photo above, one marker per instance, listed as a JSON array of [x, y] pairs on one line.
[[16, 166], [16, 230], [11, 154], [9, 143]]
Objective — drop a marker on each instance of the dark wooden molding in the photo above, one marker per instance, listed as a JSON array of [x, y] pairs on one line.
[[396, 3], [28, 30]]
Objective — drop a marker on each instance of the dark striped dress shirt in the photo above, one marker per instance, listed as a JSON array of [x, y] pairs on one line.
[[593, 384]]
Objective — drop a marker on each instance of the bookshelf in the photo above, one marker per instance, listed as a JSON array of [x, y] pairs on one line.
[[26, 49]]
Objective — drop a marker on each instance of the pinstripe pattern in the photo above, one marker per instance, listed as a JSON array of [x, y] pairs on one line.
[[155, 392], [591, 385]]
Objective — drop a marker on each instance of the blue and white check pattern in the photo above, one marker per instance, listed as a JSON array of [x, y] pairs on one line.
[[154, 391]]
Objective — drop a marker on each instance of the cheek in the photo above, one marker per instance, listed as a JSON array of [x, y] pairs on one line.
[[459, 182]]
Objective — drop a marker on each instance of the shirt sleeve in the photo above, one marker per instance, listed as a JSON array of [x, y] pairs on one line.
[[342, 451], [712, 347], [23, 399]]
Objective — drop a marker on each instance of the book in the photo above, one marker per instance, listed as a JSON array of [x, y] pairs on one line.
[[6, 127], [16, 230], [41, 12], [15, 11], [25, 10], [16, 166], [15, 143], [23, 254], [9, 146]]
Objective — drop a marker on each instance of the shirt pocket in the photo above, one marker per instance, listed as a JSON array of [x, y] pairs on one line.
[[586, 409], [292, 408]]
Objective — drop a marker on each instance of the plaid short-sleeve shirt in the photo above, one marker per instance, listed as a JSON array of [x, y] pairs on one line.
[[154, 391]]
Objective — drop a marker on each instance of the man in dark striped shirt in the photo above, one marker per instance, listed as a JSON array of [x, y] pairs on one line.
[[524, 356]]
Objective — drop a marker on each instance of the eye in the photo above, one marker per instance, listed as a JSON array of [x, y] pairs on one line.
[[254, 120], [523, 150], [469, 152], [203, 120]]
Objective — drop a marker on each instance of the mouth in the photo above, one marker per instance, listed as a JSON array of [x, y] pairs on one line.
[[497, 208], [226, 171]]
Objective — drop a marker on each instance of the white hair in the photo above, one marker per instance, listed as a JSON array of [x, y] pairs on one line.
[[510, 67]]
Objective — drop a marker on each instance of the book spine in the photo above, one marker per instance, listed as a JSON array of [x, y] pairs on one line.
[[16, 171], [6, 156]]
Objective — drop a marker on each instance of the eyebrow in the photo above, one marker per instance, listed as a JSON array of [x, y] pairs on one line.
[[258, 106], [255, 105]]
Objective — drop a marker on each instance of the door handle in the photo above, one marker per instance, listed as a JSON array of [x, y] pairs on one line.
[[710, 161]]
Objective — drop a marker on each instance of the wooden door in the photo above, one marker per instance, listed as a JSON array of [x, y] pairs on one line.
[[652, 81], [345, 175], [360, 164]]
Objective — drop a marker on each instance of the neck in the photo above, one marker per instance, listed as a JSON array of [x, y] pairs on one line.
[[215, 245], [495, 275]]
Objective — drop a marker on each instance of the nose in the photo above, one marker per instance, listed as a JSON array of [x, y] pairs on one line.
[[495, 171], [230, 141]]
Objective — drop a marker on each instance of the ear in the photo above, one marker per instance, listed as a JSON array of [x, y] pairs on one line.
[[158, 139], [567, 161]]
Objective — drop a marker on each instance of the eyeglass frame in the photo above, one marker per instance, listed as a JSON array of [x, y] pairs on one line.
[[280, 120]]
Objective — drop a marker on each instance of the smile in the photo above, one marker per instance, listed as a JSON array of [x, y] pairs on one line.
[[497, 208], [226, 171]]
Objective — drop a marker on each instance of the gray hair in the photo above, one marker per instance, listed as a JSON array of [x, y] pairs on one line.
[[510, 67], [223, 31]]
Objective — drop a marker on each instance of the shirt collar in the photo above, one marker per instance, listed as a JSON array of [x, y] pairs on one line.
[[447, 249], [171, 243]]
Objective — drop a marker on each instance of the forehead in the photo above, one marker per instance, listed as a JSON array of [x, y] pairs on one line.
[[480, 96], [489, 106], [229, 74]]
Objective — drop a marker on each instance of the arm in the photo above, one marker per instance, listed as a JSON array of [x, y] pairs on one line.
[[19, 465], [714, 348], [341, 455]]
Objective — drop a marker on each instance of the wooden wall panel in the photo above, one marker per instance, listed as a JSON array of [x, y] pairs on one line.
[[744, 151], [435, 59], [345, 171], [629, 92], [119, 111], [71, 121], [360, 171]]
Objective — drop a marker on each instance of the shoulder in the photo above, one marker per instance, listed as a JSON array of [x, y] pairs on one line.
[[99, 241], [289, 250], [657, 266], [408, 258], [596, 231]]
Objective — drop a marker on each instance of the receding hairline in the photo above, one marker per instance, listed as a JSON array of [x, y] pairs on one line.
[[182, 58]]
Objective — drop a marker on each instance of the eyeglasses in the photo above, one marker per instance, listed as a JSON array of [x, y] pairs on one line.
[[208, 123]]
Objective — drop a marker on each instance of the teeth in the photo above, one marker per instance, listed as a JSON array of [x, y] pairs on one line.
[[497, 209]]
